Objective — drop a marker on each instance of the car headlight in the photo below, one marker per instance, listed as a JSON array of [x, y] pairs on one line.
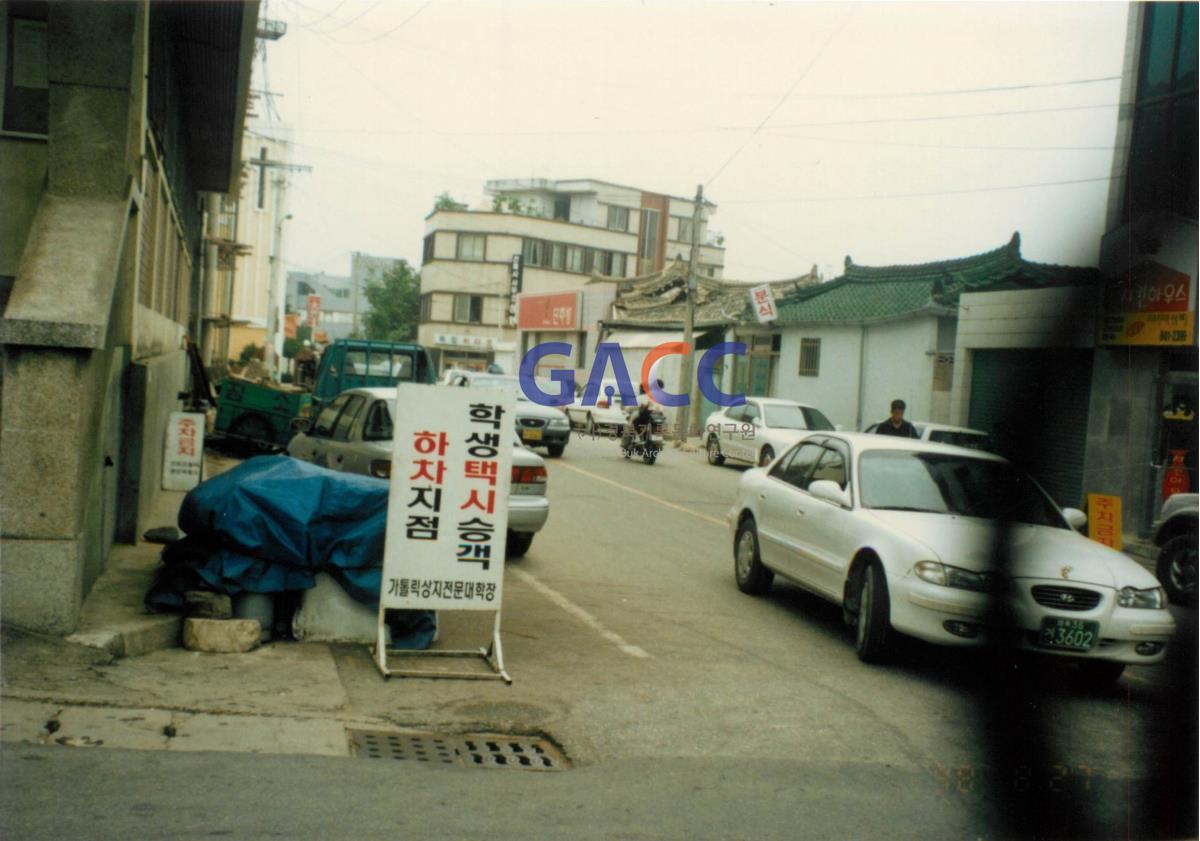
[[1152, 597], [957, 577], [559, 422]]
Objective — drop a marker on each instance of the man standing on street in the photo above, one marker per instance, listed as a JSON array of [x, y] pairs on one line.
[[896, 424]]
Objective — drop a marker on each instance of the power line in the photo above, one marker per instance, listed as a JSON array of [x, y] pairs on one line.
[[941, 117], [985, 147], [869, 197], [786, 96], [961, 91], [347, 22], [382, 35]]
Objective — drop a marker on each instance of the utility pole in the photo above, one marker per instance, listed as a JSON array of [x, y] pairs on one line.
[[274, 347], [685, 367]]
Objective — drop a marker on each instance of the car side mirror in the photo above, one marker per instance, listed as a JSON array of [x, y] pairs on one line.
[[1075, 518], [830, 492]]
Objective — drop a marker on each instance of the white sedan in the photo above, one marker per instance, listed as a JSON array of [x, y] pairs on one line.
[[901, 534], [353, 433], [759, 429]]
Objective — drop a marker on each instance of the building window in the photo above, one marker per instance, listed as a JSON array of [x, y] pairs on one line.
[[685, 229], [468, 309], [810, 357], [426, 306], [558, 255], [427, 251], [471, 246], [708, 270], [562, 208], [612, 263], [26, 92], [574, 258], [618, 218], [1163, 148], [648, 235], [534, 251]]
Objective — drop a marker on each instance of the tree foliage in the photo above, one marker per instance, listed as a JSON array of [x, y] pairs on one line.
[[512, 204], [444, 201], [395, 302]]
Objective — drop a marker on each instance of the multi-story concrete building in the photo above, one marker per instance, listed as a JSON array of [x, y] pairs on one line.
[[115, 119], [365, 269], [543, 236]]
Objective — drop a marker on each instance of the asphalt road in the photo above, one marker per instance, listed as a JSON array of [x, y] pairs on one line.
[[688, 710]]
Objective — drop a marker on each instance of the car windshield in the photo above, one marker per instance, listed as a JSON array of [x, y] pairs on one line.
[[899, 480], [794, 416]]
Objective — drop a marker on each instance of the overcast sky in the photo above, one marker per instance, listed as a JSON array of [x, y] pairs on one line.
[[810, 125]]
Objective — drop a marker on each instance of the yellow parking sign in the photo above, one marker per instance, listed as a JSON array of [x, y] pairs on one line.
[[1104, 519]]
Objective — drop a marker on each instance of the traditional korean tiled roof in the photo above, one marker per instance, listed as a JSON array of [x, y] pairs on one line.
[[658, 300], [869, 293]]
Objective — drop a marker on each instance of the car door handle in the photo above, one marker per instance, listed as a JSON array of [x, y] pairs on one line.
[[800, 512]]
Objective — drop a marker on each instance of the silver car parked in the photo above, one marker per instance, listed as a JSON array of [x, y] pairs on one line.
[[354, 434]]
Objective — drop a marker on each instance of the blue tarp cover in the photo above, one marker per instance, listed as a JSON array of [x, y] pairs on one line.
[[270, 525]]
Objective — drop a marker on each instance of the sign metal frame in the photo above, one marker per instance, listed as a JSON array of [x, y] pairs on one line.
[[418, 545]]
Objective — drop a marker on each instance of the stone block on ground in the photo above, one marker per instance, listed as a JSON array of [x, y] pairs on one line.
[[329, 614], [201, 604], [221, 636]]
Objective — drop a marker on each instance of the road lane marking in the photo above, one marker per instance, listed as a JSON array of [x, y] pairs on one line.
[[643, 494], [579, 613]]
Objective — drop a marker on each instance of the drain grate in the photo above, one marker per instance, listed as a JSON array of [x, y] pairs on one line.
[[520, 753], [419, 747], [511, 752]]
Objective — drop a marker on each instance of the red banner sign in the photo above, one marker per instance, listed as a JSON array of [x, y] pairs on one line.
[[314, 310], [1149, 306], [549, 312]]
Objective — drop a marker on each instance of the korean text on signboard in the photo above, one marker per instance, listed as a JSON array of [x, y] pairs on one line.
[[762, 299], [1104, 520], [448, 502], [515, 279], [1152, 305], [184, 451], [559, 311], [313, 310]]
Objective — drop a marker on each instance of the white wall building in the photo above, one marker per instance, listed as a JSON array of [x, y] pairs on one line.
[[565, 232]]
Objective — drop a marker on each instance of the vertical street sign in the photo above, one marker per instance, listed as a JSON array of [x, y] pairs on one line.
[[762, 300], [1104, 520], [313, 310], [448, 509], [515, 278], [183, 455]]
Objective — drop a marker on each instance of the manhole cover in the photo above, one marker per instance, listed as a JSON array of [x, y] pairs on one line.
[[419, 747], [520, 753]]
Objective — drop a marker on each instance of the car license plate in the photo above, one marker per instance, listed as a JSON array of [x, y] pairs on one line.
[[1069, 634], [531, 434]]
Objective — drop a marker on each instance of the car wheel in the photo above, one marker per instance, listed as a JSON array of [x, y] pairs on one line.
[[752, 577], [1098, 674], [874, 636], [649, 457], [518, 544], [555, 450], [591, 425], [714, 451], [1177, 569], [255, 429], [766, 456]]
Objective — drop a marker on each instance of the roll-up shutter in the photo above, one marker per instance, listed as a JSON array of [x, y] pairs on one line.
[[1039, 396]]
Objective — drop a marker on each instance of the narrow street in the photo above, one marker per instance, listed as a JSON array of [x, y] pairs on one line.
[[675, 697]]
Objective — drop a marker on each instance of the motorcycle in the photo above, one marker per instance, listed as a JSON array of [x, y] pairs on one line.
[[646, 439]]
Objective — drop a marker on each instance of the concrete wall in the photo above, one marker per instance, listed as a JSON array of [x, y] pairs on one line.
[[894, 359], [22, 180], [1034, 318]]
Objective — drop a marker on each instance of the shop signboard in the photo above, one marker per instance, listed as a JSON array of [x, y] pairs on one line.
[[1104, 520], [762, 300], [559, 311], [183, 456], [1153, 305]]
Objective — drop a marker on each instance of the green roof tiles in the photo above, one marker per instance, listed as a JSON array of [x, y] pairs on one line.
[[868, 293]]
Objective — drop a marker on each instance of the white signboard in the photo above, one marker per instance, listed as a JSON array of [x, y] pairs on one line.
[[183, 455], [448, 501], [762, 300]]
